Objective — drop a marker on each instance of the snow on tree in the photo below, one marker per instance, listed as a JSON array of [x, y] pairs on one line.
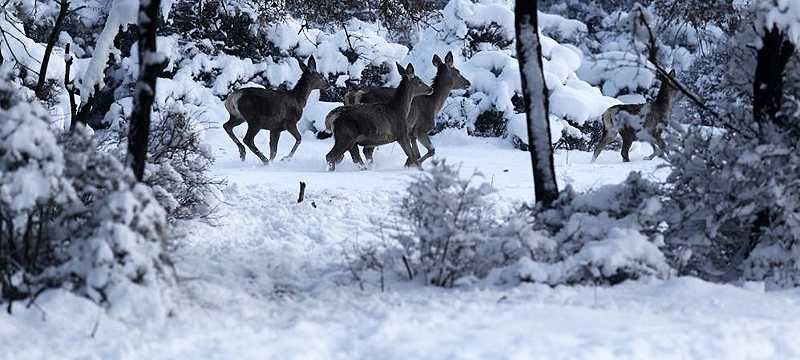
[[122, 14]]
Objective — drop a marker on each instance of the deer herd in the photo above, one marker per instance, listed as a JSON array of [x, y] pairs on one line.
[[376, 116]]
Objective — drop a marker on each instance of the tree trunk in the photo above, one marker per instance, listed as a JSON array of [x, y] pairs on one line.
[[534, 90], [70, 88], [772, 58], [51, 42], [145, 91]]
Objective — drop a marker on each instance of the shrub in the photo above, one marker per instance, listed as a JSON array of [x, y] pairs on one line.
[[74, 217], [179, 164], [604, 236], [446, 229], [735, 205], [33, 192]]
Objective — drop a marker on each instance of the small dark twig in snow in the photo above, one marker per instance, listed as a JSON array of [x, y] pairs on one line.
[[302, 192]]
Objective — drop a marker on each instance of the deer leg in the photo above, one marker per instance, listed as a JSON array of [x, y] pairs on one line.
[[357, 157], [368, 152], [228, 126], [297, 139], [406, 145], [414, 149], [426, 142], [336, 154], [274, 136], [658, 146], [627, 140], [608, 137], [249, 140]]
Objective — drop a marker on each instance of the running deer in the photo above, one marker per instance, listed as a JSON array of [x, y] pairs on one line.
[[378, 123], [422, 116], [273, 110], [640, 121]]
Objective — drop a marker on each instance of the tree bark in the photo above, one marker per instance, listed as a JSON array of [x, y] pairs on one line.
[[534, 90], [51, 42], [772, 58], [145, 91], [73, 107]]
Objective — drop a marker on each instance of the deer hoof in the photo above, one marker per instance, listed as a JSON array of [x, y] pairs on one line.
[[242, 154], [331, 166], [286, 158]]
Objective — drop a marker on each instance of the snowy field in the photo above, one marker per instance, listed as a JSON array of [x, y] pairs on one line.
[[267, 278]]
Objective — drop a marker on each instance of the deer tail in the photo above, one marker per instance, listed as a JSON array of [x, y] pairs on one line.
[[329, 119]]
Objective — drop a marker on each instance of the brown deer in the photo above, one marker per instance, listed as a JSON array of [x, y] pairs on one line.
[[422, 116], [378, 123], [640, 121], [273, 110]]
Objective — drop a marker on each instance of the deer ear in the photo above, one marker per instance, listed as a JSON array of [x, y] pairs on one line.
[[303, 66], [312, 64], [410, 70], [437, 61], [400, 69], [448, 59]]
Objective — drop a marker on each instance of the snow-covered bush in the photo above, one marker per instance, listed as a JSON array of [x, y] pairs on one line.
[[736, 208], [604, 236], [115, 253], [231, 29], [179, 160], [444, 229], [34, 191], [73, 216], [179, 164], [119, 259], [734, 198]]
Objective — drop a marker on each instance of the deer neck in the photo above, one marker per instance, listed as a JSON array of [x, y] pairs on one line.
[[401, 101], [664, 99], [301, 91], [441, 90]]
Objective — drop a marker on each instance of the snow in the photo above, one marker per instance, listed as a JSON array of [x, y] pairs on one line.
[[784, 15], [266, 278], [122, 14]]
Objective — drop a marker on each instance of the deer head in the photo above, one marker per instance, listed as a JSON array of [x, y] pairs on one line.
[[310, 75], [448, 74], [414, 83]]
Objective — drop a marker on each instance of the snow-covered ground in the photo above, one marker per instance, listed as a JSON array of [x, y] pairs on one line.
[[267, 277]]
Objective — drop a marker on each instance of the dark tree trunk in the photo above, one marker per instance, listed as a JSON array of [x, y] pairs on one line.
[[534, 90], [772, 58], [144, 94], [73, 107], [51, 42]]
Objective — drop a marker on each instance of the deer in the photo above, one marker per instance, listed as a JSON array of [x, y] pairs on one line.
[[640, 121], [273, 110], [377, 123], [422, 116]]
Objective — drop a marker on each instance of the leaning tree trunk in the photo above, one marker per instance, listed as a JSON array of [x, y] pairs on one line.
[[529, 54], [773, 56], [51, 42], [144, 94]]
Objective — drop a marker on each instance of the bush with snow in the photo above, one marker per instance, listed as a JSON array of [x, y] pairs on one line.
[[604, 236], [733, 194], [179, 160], [34, 191], [443, 234], [73, 216]]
